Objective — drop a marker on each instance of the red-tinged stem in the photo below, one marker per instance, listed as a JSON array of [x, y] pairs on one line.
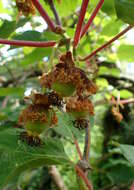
[[77, 148], [52, 6], [80, 22], [84, 177], [127, 101], [44, 15], [93, 15], [107, 43], [27, 43]]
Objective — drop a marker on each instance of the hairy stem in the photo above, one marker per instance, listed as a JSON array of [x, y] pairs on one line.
[[80, 22], [93, 15], [107, 43], [27, 43], [84, 177], [87, 144], [44, 15], [52, 6]]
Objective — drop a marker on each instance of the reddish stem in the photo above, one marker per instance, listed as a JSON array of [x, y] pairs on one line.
[[80, 22], [127, 101], [107, 43], [44, 15], [77, 148], [27, 43], [93, 15], [84, 177]]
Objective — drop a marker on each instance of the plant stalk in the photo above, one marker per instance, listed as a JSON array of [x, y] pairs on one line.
[[80, 22], [44, 15], [52, 6], [86, 152], [106, 44], [93, 15], [84, 177], [27, 43], [77, 148]]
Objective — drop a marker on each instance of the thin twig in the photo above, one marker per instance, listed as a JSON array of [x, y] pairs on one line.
[[93, 15], [44, 15], [80, 22], [52, 6], [27, 43], [127, 101], [87, 144], [107, 43]]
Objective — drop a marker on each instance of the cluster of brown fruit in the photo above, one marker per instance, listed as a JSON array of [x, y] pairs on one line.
[[67, 84]]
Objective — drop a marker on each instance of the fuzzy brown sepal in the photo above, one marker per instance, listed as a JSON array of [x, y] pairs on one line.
[[66, 73]]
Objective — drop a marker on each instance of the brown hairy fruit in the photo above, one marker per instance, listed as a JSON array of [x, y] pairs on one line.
[[80, 108], [36, 118], [26, 7], [65, 78]]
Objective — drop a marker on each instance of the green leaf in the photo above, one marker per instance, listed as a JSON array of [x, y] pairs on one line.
[[65, 126], [128, 152], [108, 7], [29, 35], [36, 55], [109, 71], [126, 53], [113, 30], [125, 10], [17, 157], [123, 176], [7, 28], [126, 94], [12, 91]]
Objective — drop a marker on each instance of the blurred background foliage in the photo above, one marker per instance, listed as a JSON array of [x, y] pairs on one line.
[[113, 71]]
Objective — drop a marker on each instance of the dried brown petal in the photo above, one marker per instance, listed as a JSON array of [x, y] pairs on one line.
[[33, 113], [66, 73], [79, 105], [118, 116]]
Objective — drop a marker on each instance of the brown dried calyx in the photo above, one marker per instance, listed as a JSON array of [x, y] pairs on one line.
[[25, 7], [47, 99], [33, 113], [65, 72], [80, 105], [116, 113]]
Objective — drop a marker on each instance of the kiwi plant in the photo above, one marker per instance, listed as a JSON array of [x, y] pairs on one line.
[[67, 86]]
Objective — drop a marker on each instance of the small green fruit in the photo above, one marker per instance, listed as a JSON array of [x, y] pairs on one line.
[[80, 114], [63, 89]]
